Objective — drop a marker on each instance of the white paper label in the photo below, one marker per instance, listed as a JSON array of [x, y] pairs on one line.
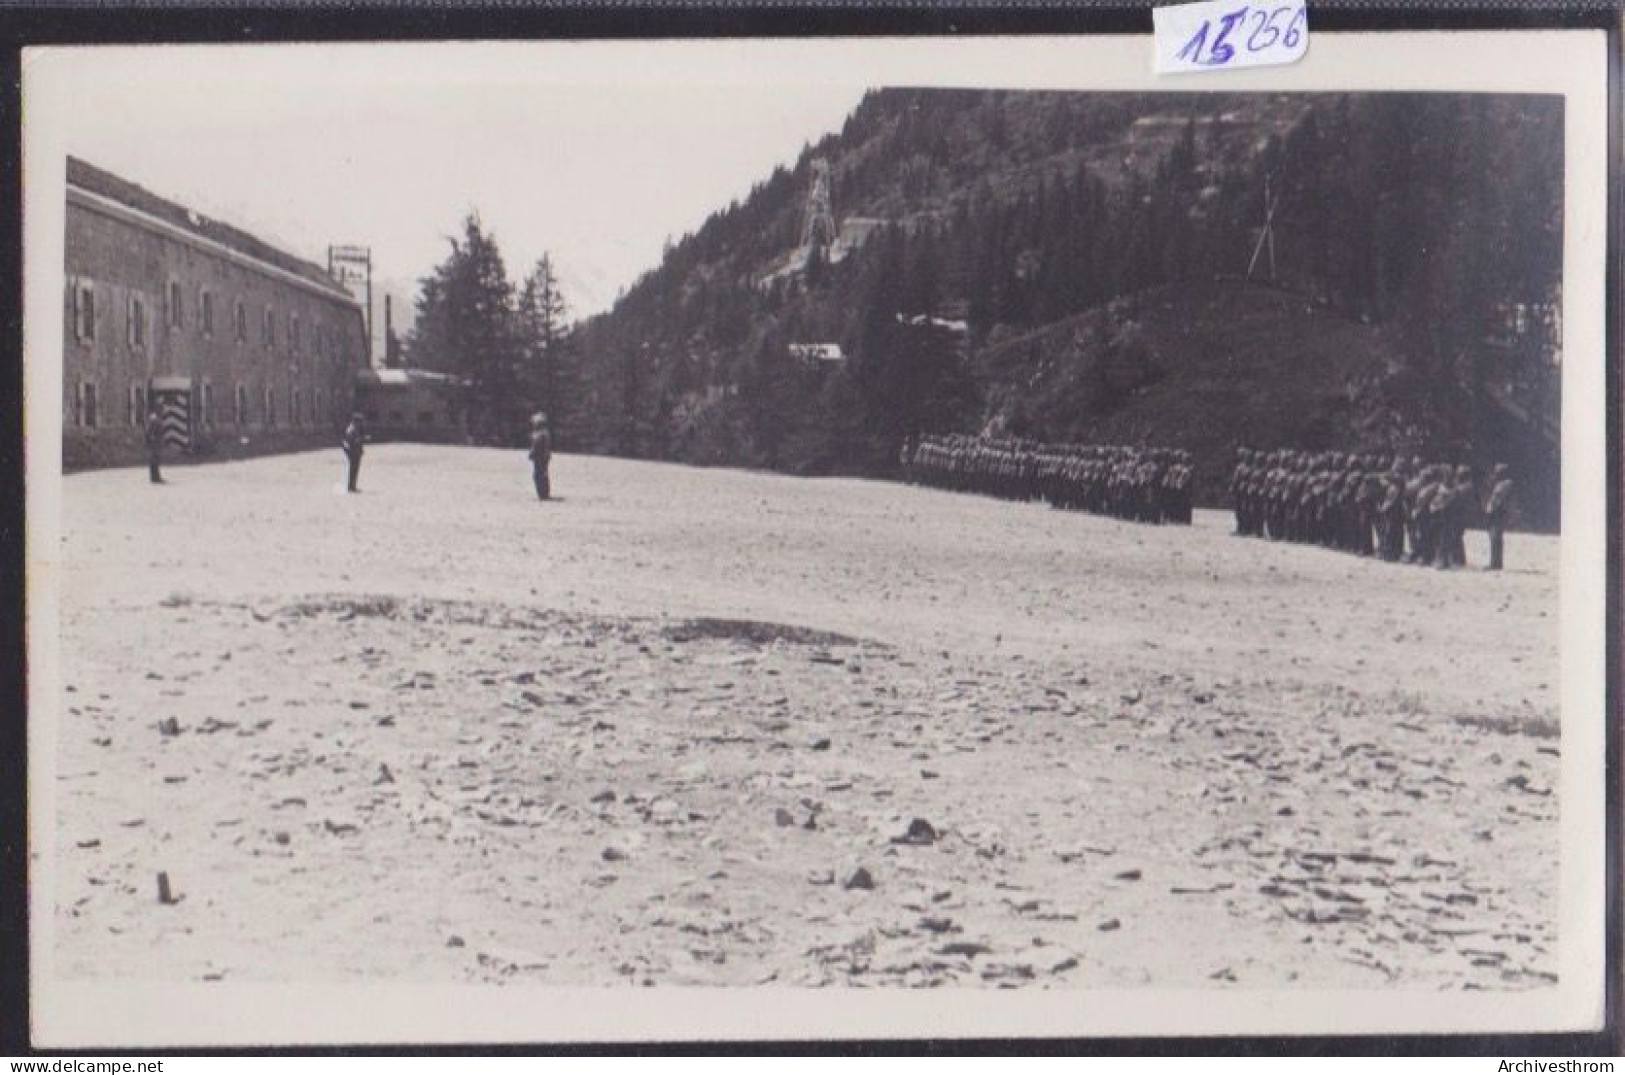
[[1217, 35]]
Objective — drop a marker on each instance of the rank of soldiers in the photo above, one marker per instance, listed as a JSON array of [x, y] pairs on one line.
[[1151, 485], [1395, 507]]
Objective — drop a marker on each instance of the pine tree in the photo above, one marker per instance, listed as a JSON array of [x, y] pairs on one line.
[[466, 326], [543, 339]]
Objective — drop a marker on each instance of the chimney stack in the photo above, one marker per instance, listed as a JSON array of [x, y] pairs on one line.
[[391, 359]]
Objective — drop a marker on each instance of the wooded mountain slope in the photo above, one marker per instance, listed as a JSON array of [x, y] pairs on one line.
[[1416, 269]]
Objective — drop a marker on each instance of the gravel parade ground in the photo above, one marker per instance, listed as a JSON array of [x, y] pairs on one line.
[[689, 726]]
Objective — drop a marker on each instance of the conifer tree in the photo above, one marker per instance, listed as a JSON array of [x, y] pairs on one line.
[[466, 326], [544, 341]]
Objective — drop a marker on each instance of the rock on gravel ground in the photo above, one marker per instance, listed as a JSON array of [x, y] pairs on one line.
[[696, 727]]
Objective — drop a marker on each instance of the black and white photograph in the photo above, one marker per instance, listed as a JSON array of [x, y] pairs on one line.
[[702, 539]]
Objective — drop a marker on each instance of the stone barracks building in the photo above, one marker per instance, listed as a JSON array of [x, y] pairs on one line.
[[242, 349]]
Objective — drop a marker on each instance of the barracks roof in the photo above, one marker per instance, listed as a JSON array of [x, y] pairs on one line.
[[93, 180]]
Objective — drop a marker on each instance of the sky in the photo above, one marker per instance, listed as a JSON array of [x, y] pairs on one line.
[[391, 146]]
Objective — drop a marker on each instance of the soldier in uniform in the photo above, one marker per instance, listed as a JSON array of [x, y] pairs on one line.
[[1366, 499], [1028, 470], [1311, 487], [1497, 511], [541, 454], [1391, 518], [1184, 489], [1418, 490], [1441, 510], [1274, 499], [905, 454], [1461, 505], [153, 433], [1237, 490], [354, 442], [1252, 494], [1441, 518]]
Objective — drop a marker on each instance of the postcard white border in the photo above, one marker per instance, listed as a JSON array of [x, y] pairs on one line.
[[136, 1014]]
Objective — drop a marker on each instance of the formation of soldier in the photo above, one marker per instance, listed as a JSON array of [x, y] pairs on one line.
[[1152, 485], [1369, 504], [1396, 507]]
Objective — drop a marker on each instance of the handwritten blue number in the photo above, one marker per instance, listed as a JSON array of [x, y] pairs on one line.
[[1291, 38], [1221, 52], [1266, 24], [1193, 47]]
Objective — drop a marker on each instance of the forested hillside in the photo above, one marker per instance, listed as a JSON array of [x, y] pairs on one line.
[[1411, 273]]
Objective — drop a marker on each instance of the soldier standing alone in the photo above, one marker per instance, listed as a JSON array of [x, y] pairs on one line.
[[354, 444], [153, 431], [541, 454], [1497, 509]]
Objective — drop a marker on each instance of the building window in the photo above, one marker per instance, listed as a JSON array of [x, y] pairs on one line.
[[268, 328], [241, 403], [84, 312], [206, 405], [208, 315], [294, 340], [138, 406], [173, 310], [86, 407], [270, 407], [293, 407], [242, 322], [136, 323]]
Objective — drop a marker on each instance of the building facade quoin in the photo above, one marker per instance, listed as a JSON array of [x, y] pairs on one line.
[[240, 347]]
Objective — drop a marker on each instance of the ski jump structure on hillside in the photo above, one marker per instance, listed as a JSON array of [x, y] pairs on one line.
[[820, 234], [1266, 236]]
